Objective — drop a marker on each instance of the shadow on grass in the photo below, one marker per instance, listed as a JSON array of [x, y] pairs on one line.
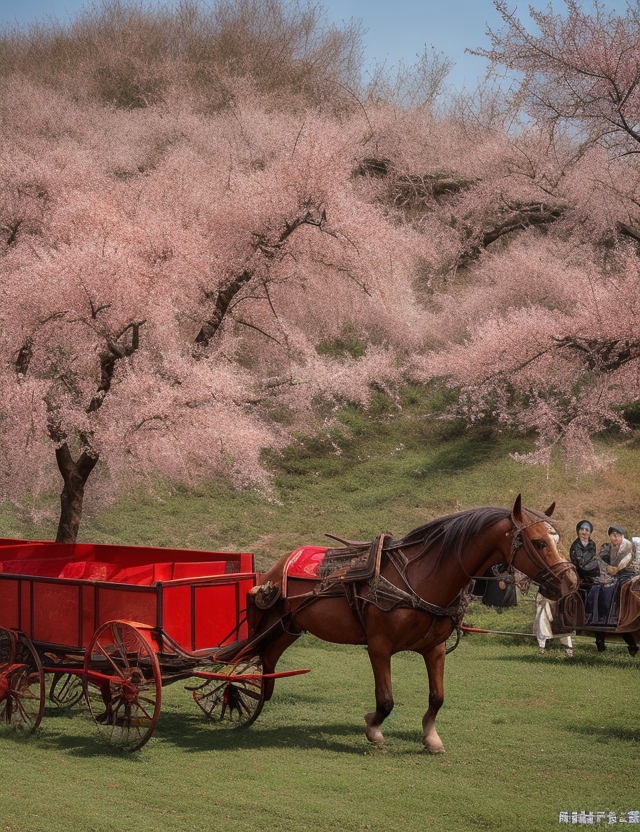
[[604, 733], [579, 658], [459, 455], [189, 732], [192, 732], [87, 745]]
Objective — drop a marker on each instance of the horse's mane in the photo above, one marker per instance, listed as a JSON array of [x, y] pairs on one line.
[[448, 536]]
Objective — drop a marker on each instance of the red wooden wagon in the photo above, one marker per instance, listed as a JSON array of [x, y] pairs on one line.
[[115, 624]]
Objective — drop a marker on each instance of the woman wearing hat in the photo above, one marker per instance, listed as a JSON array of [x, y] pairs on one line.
[[583, 556]]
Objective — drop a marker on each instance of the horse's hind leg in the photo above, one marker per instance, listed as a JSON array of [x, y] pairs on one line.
[[434, 660], [380, 656]]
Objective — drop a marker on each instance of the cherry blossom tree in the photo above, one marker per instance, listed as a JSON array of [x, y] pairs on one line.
[[563, 359], [581, 69], [165, 282], [187, 242]]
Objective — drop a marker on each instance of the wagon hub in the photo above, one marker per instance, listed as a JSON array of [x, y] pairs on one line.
[[131, 686]]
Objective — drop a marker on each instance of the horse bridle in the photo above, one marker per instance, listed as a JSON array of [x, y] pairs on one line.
[[550, 577]]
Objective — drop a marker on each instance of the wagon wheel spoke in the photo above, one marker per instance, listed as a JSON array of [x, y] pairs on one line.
[[22, 692], [236, 701], [122, 685], [109, 658], [251, 693], [120, 641], [25, 700]]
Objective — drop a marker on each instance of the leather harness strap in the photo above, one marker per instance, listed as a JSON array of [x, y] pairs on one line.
[[386, 596]]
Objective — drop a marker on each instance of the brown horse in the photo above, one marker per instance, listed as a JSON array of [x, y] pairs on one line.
[[414, 603]]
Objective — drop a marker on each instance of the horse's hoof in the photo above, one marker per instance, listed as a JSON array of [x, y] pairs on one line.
[[438, 749], [373, 733], [432, 744]]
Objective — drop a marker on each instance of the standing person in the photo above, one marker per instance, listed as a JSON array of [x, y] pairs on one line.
[[584, 557], [542, 625]]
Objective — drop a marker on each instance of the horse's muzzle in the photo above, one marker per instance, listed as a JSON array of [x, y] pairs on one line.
[[558, 580]]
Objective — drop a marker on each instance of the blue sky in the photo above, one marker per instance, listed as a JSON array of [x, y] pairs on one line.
[[397, 29]]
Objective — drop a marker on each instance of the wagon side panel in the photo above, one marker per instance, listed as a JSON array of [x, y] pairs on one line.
[[176, 615], [88, 614], [9, 602], [26, 606], [214, 612], [244, 586], [56, 613], [219, 613], [126, 603], [203, 614]]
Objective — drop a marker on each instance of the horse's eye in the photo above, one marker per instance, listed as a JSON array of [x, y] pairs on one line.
[[539, 543]]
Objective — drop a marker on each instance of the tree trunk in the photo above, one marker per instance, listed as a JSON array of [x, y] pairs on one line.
[[75, 475]]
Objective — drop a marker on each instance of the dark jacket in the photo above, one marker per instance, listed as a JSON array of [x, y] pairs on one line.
[[585, 560]]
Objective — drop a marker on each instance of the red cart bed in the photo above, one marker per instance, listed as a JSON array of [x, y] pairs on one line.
[[59, 594]]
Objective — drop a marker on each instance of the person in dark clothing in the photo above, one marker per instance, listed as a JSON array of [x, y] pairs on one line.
[[584, 557], [499, 589]]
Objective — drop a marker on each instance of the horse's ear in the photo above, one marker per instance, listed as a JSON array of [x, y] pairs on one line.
[[517, 510], [550, 510]]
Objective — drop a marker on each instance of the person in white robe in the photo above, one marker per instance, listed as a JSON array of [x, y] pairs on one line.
[[542, 625]]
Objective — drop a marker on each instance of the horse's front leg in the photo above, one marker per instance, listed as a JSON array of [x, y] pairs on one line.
[[380, 657], [434, 660]]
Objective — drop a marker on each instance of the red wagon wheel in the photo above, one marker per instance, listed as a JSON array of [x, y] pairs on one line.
[[237, 701], [21, 683], [7, 651], [122, 684]]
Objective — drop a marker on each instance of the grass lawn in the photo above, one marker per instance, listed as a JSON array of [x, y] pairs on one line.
[[528, 735]]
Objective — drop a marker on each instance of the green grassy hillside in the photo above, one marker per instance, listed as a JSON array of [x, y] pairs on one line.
[[389, 468]]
